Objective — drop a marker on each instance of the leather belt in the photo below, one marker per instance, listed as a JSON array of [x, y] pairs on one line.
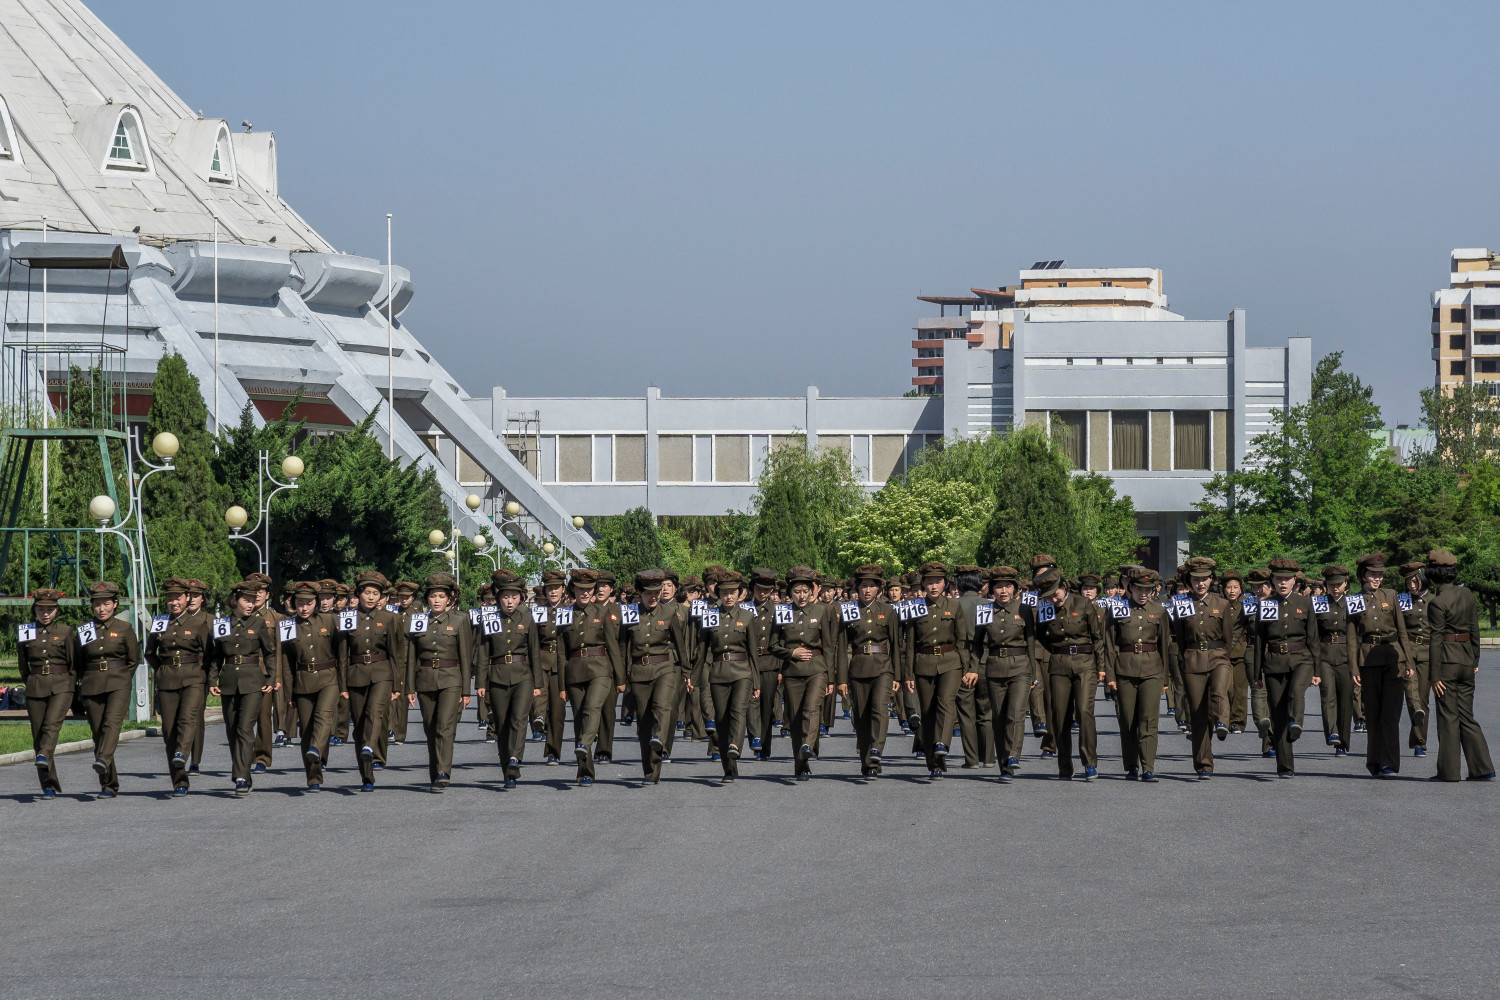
[[592, 651], [1422, 640], [183, 659], [762, 651], [548, 647], [1455, 637], [646, 661], [731, 657], [369, 659], [1337, 638], [946, 647], [508, 658], [1285, 647], [50, 669], [1142, 647], [1382, 641], [1205, 644], [326, 665], [1072, 649], [236, 661], [116, 664], [431, 664], [871, 648]]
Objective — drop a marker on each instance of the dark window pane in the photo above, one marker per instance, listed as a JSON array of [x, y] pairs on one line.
[[1190, 439]]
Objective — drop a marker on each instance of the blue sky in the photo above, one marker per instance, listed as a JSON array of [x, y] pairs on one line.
[[721, 198]]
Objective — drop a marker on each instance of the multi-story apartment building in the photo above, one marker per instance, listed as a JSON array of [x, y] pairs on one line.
[[1466, 321]]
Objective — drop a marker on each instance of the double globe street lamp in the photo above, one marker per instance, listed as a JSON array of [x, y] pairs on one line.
[[236, 517], [485, 544]]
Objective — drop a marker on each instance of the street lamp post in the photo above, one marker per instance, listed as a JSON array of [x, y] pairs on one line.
[[292, 467], [512, 516], [436, 538], [102, 509]]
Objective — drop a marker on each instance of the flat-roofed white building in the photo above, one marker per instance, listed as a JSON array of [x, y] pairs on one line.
[[1466, 321]]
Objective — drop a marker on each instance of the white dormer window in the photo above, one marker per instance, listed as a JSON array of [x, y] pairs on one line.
[[221, 167], [127, 150], [9, 149]]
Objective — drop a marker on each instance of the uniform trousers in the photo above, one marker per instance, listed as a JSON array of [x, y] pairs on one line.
[[285, 721], [1284, 694], [46, 715], [553, 716], [1382, 691], [804, 704], [265, 731], [1336, 693], [654, 702], [315, 720], [936, 699], [868, 698], [369, 705], [1138, 707], [1418, 691], [241, 711], [1040, 705], [1073, 700], [1009, 698], [195, 752], [764, 711], [440, 714], [510, 713], [181, 723], [690, 711], [106, 713], [731, 700], [606, 747], [1458, 731], [1239, 687], [1206, 706], [975, 724], [342, 716], [679, 702], [587, 698], [400, 718]]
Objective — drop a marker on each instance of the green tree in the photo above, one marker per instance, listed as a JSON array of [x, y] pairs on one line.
[[909, 523], [1465, 420], [801, 501], [1034, 506], [626, 544], [185, 529], [1106, 534]]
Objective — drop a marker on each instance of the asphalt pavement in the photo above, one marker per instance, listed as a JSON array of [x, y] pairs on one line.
[[1330, 885]]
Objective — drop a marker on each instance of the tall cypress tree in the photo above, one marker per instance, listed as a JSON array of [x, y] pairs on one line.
[[784, 525], [1034, 507]]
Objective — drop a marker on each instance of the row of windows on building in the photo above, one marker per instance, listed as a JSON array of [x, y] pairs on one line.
[[1482, 366], [1140, 440], [1458, 341], [1458, 314], [129, 151]]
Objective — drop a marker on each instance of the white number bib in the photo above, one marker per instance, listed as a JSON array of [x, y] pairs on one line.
[[538, 614], [1046, 611], [984, 614], [1355, 603], [288, 629], [490, 624], [697, 608], [348, 621], [87, 633], [849, 611], [784, 614], [1404, 600], [630, 614], [26, 633], [1028, 599], [710, 618], [159, 624], [222, 628], [418, 623], [1270, 611], [919, 607], [1320, 604], [563, 617]]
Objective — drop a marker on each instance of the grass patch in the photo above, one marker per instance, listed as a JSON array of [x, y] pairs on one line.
[[16, 736]]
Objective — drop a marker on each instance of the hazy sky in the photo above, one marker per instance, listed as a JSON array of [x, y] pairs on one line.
[[724, 199]]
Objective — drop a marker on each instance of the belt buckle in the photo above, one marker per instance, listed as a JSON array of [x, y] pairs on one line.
[[1286, 647], [1073, 649], [1202, 646]]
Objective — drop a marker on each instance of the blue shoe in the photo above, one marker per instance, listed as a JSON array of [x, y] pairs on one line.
[[510, 782], [368, 786], [41, 762], [585, 781], [1360, 727], [1012, 764], [711, 726], [314, 788], [1286, 774], [1341, 752], [581, 752], [179, 791], [1132, 775], [366, 753], [1482, 777], [846, 713], [1171, 711], [1090, 773], [550, 761], [1039, 729], [940, 751], [49, 793], [715, 756], [1075, 728], [657, 744], [1221, 732], [1419, 752], [1386, 772], [1205, 774], [241, 786], [1333, 739], [936, 774], [956, 731], [822, 730], [755, 744], [193, 769], [679, 725], [179, 762], [107, 793], [100, 767], [905, 730], [335, 741], [1048, 753], [259, 769], [1148, 776], [806, 750], [311, 756], [874, 755], [377, 766]]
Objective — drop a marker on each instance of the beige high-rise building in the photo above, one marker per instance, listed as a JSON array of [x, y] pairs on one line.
[[1466, 321]]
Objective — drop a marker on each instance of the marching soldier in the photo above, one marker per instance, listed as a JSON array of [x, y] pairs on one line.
[[1203, 631], [1419, 635], [107, 654], [762, 711], [48, 670], [1041, 692], [407, 605], [1071, 632], [670, 603], [1004, 655], [689, 708], [176, 651], [370, 652], [484, 594], [1232, 587], [605, 597], [312, 659], [1381, 652], [937, 658], [196, 592], [805, 646], [729, 665], [593, 670], [1285, 647], [1335, 677], [871, 665], [658, 659], [508, 670], [1137, 671], [270, 732], [240, 674], [1260, 706], [1454, 620], [440, 655], [972, 704], [549, 650]]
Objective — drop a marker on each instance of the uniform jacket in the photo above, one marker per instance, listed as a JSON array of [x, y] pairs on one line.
[[1129, 639], [371, 651], [1006, 647], [858, 655], [1077, 625], [660, 632], [108, 663], [1418, 632], [245, 659], [1203, 639], [814, 627], [512, 655], [945, 624], [443, 656], [1333, 634], [594, 628], [179, 656], [312, 658], [47, 662], [1377, 635], [1272, 646], [548, 645], [735, 634], [1451, 611]]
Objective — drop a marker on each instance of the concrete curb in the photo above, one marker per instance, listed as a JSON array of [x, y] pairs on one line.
[[212, 715], [1487, 641]]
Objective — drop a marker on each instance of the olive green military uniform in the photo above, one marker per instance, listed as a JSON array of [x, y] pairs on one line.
[[593, 671], [936, 646], [1336, 677], [1381, 651], [1137, 665], [690, 627], [553, 708], [508, 671], [1075, 643], [1284, 647], [438, 666], [1202, 639], [241, 664], [609, 709], [730, 667], [312, 660], [805, 682], [971, 705], [106, 675], [1418, 685], [1004, 656], [870, 664], [1453, 617], [178, 656], [371, 654], [48, 673], [762, 713], [276, 710], [1239, 660], [401, 706]]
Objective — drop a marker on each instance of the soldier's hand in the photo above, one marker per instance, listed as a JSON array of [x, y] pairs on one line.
[[828, 692], [479, 691], [1317, 681], [395, 695], [536, 692], [1113, 686], [265, 690], [563, 695], [1439, 688], [911, 687], [687, 684], [969, 680], [465, 700], [895, 687], [620, 689], [755, 693], [411, 699], [1101, 675], [215, 692], [844, 690], [344, 695], [277, 687]]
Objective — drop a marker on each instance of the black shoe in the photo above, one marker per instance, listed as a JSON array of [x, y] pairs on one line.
[[1293, 731], [100, 767], [443, 779], [366, 753], [1221, 731]]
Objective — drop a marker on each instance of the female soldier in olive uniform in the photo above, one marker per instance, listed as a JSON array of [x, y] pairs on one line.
[[552, 705], [805, 645], [371, 656], [1074, 641], [1285, 647], [1335, 676], [593, 668], [762, 712], [1203, 639], [1453, 616], [936, 647], [729, 664], [508, 670], [438, 664], [1137, 671], [106, 669], [312, 660], [1005, 657], [1381, 652], [178, 657], [658, 661], [871, 667], [241, 672], [47, 672], [1419, 637]]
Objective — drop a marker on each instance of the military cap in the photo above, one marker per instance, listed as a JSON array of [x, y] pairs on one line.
[[710, 575], [761, 576], [261, 579], [911, 578], [1140, 576], [370, 578], [585, 578], [1373, 561], [1088, 580], [1441, 557], [46, 597], [1182, 572], [552, 577], [1231, 574], [869, 571], [1331, 573], [503, 579], [1046, 579], [670, 574], [406, 588], [344, 590], [1411, 569], [197, 588], [173, 585], [1041, 561], [104, 589], [1201, 566], [539, 593], [247, 587], [605, 576], [327, 587], [440, 581], [801, 574], [1257, 576], [1282, 569], [483, 591], [960, 570], [304, 588], [650, 579], [691, 583], [1005, 574], [934, 571], [729, 578]]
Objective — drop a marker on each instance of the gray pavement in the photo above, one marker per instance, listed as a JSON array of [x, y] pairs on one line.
[[1331, 885]]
